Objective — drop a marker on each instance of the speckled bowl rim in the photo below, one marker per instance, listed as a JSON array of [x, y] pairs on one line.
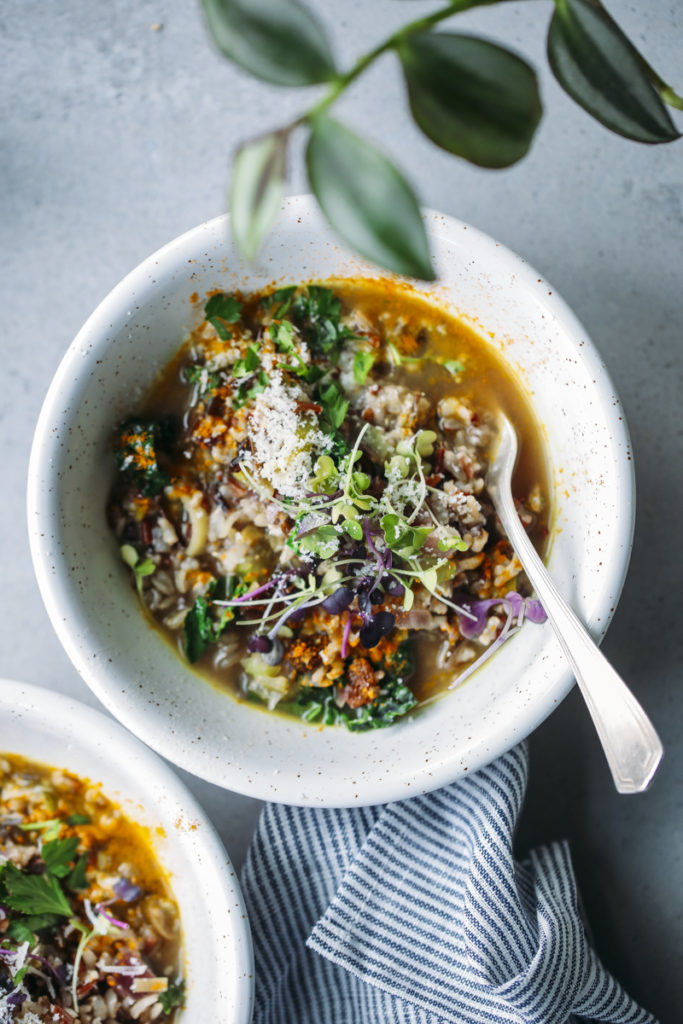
[[278, 761], [51, 729]]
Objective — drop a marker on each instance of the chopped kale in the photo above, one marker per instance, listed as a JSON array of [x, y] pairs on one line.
[[205, 621], [199, 629], [318, 704], [136, 454], [222, 310]]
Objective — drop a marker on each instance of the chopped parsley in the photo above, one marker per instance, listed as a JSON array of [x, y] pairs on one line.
[[221, 311], [197, 373], [173, 996], [363, 362]]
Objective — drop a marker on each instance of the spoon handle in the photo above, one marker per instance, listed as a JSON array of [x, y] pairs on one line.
[[632, 747]]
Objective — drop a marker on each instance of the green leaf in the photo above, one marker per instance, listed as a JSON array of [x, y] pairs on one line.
[[79, 819], [366, 200], [279, 41], [283, 336], [335, 406], [21, 932], [250, 362], [258, 185], [363, 362], [452, 544], [197, 373], [136, 454], [454, 366], [58, 856], [173, 996], [198, 630], [34, 894], [600, 68], [471, 97], [323, 542], [220, 310], [249, 389], [77, 879]]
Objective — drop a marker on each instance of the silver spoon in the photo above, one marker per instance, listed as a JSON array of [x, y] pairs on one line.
[[632, 747]]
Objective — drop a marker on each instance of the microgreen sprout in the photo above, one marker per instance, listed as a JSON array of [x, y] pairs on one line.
[[141, 567]]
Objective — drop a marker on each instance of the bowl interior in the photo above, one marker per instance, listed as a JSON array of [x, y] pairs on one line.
[[52, 730], [133, 670]]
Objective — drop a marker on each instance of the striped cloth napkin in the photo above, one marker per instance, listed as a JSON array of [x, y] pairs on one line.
[[417, 912]]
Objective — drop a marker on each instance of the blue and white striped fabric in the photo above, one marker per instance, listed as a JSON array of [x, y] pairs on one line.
[[416, 912]]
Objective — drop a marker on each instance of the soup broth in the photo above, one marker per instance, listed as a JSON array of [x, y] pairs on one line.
[[89, 928], [302, 503]]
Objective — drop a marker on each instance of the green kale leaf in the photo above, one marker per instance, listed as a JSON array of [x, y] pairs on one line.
[[136, 454]]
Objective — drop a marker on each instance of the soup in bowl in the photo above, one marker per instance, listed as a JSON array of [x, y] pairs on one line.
[[258, 497], [119, 902]]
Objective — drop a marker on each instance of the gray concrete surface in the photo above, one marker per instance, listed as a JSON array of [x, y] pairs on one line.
[[116, 137]]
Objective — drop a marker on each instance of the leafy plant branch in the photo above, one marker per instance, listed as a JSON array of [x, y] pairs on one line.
[[473, 98]]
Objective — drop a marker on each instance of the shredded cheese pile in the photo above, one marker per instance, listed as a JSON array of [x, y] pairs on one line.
[[285, 438]]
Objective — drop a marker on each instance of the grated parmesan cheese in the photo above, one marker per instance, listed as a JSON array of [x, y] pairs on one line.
[[284, 438]]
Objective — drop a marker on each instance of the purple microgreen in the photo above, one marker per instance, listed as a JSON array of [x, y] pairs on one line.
[[534, 611], [126, 890], [378, 626], [276, 653], [257, 644], [339, 601], [112, 920], [346, 634]]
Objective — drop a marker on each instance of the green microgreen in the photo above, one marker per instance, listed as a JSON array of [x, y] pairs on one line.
[[50, 828], [399, 359], [454, 366], [141, 567], [452, 544]]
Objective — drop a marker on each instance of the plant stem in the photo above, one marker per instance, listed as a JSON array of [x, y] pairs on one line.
[[342, 82]]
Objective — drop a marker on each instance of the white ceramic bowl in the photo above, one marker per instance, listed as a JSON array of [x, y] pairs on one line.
[[133, 670], [217, 954]]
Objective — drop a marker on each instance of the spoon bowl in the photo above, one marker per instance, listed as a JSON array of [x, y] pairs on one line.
[[632, 747]]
